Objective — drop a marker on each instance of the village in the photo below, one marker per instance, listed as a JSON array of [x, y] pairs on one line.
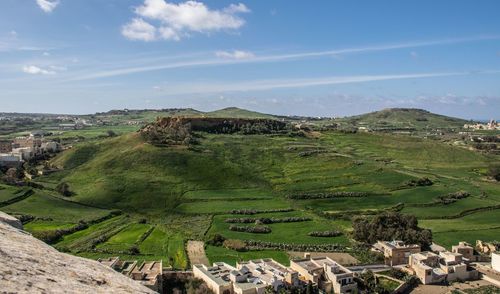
[[15, 152], [405, 265]]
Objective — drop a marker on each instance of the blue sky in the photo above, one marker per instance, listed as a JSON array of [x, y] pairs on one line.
[[320, 58]]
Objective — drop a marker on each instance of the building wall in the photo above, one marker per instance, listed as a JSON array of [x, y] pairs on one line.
[[495, 261], [218, 289]]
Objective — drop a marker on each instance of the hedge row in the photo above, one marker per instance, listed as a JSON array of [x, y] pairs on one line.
[[325, 234], [255, 211], [327, 195], [250, 229], [260, 245], [267, 220]]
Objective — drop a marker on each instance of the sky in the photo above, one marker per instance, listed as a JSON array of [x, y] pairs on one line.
[[316, 58]]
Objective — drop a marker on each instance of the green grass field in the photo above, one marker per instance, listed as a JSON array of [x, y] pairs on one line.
[[215, 254], [187, 193]]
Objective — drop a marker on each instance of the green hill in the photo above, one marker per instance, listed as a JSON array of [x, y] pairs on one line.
[[404, 118], [235, 112]]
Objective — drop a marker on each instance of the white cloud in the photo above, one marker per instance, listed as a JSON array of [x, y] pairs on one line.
[[46, 54], [35, 70], [138, 29], [236, 54], [178, 20], [414, 54], [47, 5]]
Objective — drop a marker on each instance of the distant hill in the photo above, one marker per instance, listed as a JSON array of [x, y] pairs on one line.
[[411, 118], [235, 112]]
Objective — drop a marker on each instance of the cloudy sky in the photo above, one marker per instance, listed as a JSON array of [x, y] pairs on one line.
[[321, 58]]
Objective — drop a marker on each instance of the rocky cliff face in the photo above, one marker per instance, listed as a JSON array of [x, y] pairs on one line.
[[27, 265]]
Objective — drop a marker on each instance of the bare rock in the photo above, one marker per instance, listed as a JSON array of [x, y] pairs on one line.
[[10, 220], [27, 265]]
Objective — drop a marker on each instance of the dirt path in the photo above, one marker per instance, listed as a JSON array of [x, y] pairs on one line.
[[196, 252]]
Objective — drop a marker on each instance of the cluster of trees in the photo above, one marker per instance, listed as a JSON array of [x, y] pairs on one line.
[[390, 226], [267, 220], [179, 130], [251, 229], [325, 234], [327, 195], [419, 182], [260, 245], [256, 211]]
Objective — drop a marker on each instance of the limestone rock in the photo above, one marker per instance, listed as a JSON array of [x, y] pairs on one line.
[[8, 219], [27, 265]]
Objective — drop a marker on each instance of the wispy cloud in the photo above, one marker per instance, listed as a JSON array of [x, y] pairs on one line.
[[235, 54], [104, 73], [260, 85], [47, 5]]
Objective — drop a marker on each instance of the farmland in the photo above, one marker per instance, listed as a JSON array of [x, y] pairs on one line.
[[168, 195]]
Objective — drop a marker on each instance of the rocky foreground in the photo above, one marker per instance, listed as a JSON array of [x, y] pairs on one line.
[[27, 265]]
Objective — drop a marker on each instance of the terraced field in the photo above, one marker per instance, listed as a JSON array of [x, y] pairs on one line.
[[189, 193]]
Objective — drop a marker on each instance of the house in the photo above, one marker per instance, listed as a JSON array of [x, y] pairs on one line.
[[25, 153], [216, 277], [9, 161], [465, 249], [327, 274], [149, 273], [271, 272], [495, 262], [27, 142], [396, 252], [51, 147], [5, 146], [432, 268], [222, 278]]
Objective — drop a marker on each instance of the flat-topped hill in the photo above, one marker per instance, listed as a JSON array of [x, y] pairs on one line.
[[405, 118]]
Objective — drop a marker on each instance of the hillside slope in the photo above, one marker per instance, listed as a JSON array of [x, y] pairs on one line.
[[404, 118], [30, 266]]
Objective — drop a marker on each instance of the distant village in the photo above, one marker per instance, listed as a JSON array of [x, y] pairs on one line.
[[322, 274], [491, 125], [13, 153]]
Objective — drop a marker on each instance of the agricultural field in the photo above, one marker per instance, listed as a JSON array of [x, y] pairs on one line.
[[168, 195]]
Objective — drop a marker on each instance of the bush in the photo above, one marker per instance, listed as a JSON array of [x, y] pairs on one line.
[[327, 195], [216, 240], [494, 173], [420, 182], [63, 189], [235, 244]]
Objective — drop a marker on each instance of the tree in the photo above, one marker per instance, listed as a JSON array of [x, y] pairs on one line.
[[111, 133], [63, 189], [494, 172]]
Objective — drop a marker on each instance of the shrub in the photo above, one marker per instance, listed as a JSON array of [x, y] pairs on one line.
[[235, 244], [63, 189], [250, 229], [325, 234]]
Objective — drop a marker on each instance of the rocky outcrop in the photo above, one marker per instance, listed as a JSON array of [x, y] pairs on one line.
[[179, 130], [10, 220], [27, 265]]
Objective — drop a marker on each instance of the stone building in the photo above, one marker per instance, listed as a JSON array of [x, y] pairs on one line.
[[396, 252], [327, 274], [432, 268]]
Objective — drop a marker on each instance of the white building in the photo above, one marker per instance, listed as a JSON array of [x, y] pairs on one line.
[[327, 274], [495, 261]]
